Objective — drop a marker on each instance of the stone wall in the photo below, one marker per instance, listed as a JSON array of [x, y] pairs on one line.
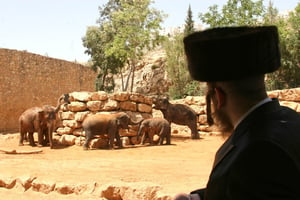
[[29, 80], [83, 104], [139, 107]]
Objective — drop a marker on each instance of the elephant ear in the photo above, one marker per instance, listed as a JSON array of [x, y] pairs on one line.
[[162, 103], [165, 102], [41, 115], [123, 120], [49, 112]]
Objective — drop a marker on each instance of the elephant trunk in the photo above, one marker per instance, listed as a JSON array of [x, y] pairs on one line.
[[62, 100]]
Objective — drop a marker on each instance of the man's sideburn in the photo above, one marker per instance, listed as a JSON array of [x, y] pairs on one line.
[[217, 116]]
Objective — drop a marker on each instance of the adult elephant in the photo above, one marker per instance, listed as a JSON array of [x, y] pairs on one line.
[[109, 124], [179, 114], [41, 120], [155, 126]]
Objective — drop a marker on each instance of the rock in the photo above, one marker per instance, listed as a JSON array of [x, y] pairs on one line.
[[123, 132], [72, 124], [128, 105], [26, 182], [99, 143], [64, 130], [99, 96], [136, 97], [67, 115], [94, 105], [76, 106], [110, 105], [67, 140], [200, 110], [43, 186], [155, 138], [195, 100], [8, 182], [123, 190], [79, 141], [144, 108], [79, 132], [290, 94], [125, 141], [80, 116], [63, 188], [134, 140], [202, 119], [80, 96], [120, 96], [273, 94]]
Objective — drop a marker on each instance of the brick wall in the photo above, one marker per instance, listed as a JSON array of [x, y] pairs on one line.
[[28, 80]]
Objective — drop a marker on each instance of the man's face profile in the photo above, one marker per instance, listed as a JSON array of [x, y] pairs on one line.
[[217, 116]]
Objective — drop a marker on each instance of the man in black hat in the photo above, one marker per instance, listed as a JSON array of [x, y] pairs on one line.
[[261, 157]]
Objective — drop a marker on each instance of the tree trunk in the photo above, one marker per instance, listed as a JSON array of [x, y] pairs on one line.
[[127, 80], [132, 77]]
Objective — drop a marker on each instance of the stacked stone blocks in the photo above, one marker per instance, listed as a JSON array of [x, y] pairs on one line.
[[83, 104]]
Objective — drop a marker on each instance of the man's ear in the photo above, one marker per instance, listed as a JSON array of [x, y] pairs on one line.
[[221, 97]]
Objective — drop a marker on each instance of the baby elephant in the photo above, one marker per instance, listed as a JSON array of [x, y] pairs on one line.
[[155, 126]]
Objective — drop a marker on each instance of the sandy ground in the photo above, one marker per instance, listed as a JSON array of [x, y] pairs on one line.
[[181, 167]]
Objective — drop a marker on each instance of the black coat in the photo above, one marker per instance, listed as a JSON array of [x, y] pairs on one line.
[[260, 160]]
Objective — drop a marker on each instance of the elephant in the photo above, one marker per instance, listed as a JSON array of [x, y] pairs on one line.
[[155, 126], [179, 114], [109, 124], [41, 120]]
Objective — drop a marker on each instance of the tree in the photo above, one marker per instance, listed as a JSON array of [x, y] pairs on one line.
[[189, 22], [175, 65], [101, 63], [128, 28], [234, 13], [288, 75], [271, 16]]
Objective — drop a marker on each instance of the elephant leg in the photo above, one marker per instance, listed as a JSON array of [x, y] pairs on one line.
[[194, 131], [49, 136], [44, 138], [22, 134], [111, 140], [161, 137], [25, 137], [168, 137], [88, 138], [161, 140], [151, 136], [40, 137], [144, 137], [119, 142], [31, 139]]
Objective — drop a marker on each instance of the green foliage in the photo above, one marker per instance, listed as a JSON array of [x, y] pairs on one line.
[[176, 67], [234, 13], [189, 22], [288, 75], [101, 63], [126, 29]]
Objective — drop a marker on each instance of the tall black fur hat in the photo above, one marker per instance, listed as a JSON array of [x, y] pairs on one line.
[[231, 53]]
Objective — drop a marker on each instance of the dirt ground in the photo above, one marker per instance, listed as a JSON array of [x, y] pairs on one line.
[[181, 167]]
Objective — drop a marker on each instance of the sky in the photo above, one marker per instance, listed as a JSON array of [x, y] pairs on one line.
[[55, 28]]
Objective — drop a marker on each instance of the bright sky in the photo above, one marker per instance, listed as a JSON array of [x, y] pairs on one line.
[[56, 28]]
